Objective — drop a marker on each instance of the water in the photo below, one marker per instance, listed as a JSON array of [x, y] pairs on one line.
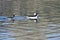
[[53, 31], [5, 33], [28, 30], [48, 9], [20, 30], [25, 30]]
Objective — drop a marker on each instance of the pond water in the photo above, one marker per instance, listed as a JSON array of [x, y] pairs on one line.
[[53, 31], [25, 30], [19, 31], [5, 33]]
